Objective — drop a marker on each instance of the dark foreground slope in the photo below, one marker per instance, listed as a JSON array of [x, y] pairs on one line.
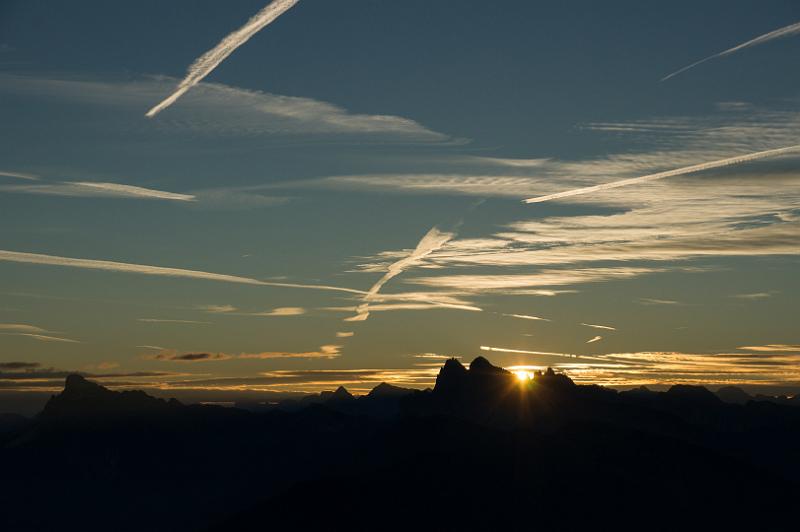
[[481, 451]]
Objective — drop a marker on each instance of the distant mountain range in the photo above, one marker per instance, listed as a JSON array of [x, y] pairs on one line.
[[482, 450]]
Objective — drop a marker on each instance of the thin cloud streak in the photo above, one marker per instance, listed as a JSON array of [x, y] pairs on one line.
[[543, 353], [134, 191], [43, 337], [211, 59], [234, 311], [21, 327], [593, 340], [18, 175], [730, 161], [324, 351], [432, 241], [389, 307], [756, 295], [525, 317], [651, 301], [781, 33], [159, 320], [595, 326], [143, 269], [93, 189], [772, 348]]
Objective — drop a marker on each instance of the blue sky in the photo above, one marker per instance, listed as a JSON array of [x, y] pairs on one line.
[[325, 148]]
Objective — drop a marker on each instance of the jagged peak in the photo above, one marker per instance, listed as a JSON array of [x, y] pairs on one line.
[[385, 389], [550, 377], [453, 365], [341, 391], [77, 385], [482, 364], [697, 393], [83, 397], [340, 394]]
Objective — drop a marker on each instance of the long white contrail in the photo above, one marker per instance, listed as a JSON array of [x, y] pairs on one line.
[[543, 353], [29, 177], [432, 241], [669, 173], [143, 269], [781, 33], [207, 62]]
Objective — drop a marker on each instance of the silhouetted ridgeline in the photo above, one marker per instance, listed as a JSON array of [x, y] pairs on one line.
[[481, 451]]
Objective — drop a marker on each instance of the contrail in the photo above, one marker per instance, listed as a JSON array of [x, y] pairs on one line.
[[781, 33], [544, 353], [29, 177], [207, 62], [143, 269], [595, 326], [525, 317], [669, 173], [130, 191], [43, 338], [432, 241]]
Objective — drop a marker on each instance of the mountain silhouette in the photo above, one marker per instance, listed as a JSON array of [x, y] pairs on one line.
[[733, 394], [482, 450], [83, 398], [385, 390]]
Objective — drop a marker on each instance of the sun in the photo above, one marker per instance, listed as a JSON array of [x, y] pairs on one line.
[[523, 376]]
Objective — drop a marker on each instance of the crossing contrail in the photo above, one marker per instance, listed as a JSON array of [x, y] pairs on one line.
[[211, 59], [432, 241], [739, 159], [781, 33]]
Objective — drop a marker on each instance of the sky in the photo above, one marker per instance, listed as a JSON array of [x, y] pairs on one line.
[[340, 200]]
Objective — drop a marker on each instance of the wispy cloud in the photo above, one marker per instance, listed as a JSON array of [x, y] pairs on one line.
[[90, 189], [18, 175], [525, 317], [434, 356], [21, 327], [191, 357], [754, 295], [666, 368], [163, 320], [786, 31], [142, 269], [730, 161], [772, 348], [389, 307], [344, 334], [652, 301], [217, 309], [211, 59], [234, 311], [280, 311], [219, 110], [540, 353], [514, 163], [692, 368], [43, 337], [26, 376], [726, 214], [595, 326], [358, 380], [594, 339], [432, 241], [324, 351], [518, 283], [18, 366]]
